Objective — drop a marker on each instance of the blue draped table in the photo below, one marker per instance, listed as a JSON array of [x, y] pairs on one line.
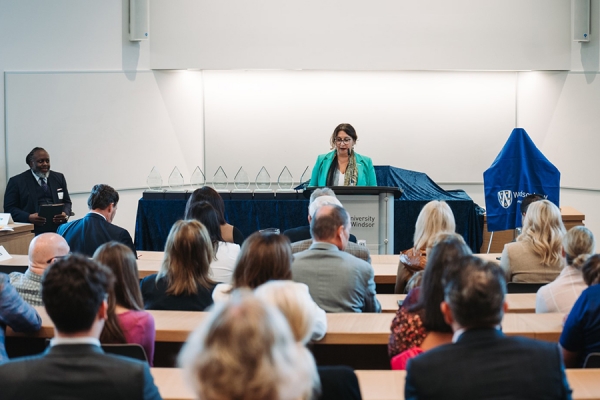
[[155, 217]]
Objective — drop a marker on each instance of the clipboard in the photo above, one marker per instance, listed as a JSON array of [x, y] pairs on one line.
[[48, 211]]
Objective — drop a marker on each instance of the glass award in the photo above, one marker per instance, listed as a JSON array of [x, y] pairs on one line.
[[263, 180], [305, 175], [285, 181], [154, 180], [220, 180], [176, 180], [241, 181], [197, 180]]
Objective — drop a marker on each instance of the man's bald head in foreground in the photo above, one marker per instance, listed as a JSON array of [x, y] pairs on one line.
[[44, 249]]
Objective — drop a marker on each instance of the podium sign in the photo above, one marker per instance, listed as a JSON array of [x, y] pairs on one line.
[[371, 210]]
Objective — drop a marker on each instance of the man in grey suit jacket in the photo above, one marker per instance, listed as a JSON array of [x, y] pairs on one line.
[[483, 363], [74, 291], [337, 281]]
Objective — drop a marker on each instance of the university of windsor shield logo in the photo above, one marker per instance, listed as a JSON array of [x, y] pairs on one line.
[[505, 198]]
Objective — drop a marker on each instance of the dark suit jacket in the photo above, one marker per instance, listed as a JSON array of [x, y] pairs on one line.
[[79, 371], [303, 233], [338, 382], [85, 235], [485, 364], [21, 196]]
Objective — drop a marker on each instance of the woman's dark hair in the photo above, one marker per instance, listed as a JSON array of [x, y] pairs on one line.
[[126, 291], [264, 257], [206, 214], [209, 194], [447, 249], [349, 129], [591, 270]]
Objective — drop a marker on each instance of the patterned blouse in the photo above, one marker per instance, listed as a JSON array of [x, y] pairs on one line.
[[407, 327], [16, 313]]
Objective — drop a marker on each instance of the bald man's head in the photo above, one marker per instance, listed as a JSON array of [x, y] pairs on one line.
[[327, 222], [44, 249]]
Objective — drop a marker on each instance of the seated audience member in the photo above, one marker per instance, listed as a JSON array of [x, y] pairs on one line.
[[229, 232], [560, 294], [223, 263], [16, 313], [536, 256], [74, 292], [483, 363], [337, 281], [581, 333], [85, 235], [419, 323], [302, 233], [183, 282], [127, 321], [527, 200], [434, 218], [356, 250], [44, 249], [245, 350], [267, 257], [296, 306]]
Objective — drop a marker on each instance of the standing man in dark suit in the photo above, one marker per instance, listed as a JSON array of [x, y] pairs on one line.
[[37, 186], [85, 235], [74, 291], [482, 363]]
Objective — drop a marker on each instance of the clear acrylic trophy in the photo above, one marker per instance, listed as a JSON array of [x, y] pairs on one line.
[[241, 181], [304, 179], [176, 180], [197, 180], [154, 180], [263, 181], [285, 181], [220, 180]]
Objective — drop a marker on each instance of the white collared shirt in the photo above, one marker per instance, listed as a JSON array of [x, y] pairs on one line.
[[457, 334], [40, 175], [94, 212], [78, 340]]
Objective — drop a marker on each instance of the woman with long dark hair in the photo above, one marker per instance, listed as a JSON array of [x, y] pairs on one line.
[[127, 321]]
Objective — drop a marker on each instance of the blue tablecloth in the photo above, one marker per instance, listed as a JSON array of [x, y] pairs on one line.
[[155, 217]]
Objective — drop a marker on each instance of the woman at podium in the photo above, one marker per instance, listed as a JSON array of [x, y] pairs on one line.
[[343, 166]]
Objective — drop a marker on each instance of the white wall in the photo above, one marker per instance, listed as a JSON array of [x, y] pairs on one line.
[[68, 35], [556, 108], [361, 35]]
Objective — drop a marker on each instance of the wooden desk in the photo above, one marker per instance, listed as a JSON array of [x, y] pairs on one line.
[[347, 328], [570, 216], [517, 302], [375, 385], [17, 241]]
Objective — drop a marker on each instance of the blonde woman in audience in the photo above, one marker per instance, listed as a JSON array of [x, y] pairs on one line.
[[127, 321], [183, 282], [223, 263], [434, 218], [295, 303], [246, 351], [559, 295], [265, 257], [536, 256]]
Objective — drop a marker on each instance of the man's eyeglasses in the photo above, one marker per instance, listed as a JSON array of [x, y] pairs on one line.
[[345, 140], [56, 258]]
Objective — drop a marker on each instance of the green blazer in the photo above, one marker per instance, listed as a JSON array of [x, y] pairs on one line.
[[366, 172]]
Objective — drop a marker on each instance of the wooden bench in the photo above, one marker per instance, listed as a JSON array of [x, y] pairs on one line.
[[375, 385]]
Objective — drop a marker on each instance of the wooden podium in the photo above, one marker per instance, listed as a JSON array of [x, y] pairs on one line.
[[17, 241], [570, 216]]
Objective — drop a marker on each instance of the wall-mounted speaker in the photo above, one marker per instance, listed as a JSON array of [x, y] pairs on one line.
[[581, 20], [139, 20]]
